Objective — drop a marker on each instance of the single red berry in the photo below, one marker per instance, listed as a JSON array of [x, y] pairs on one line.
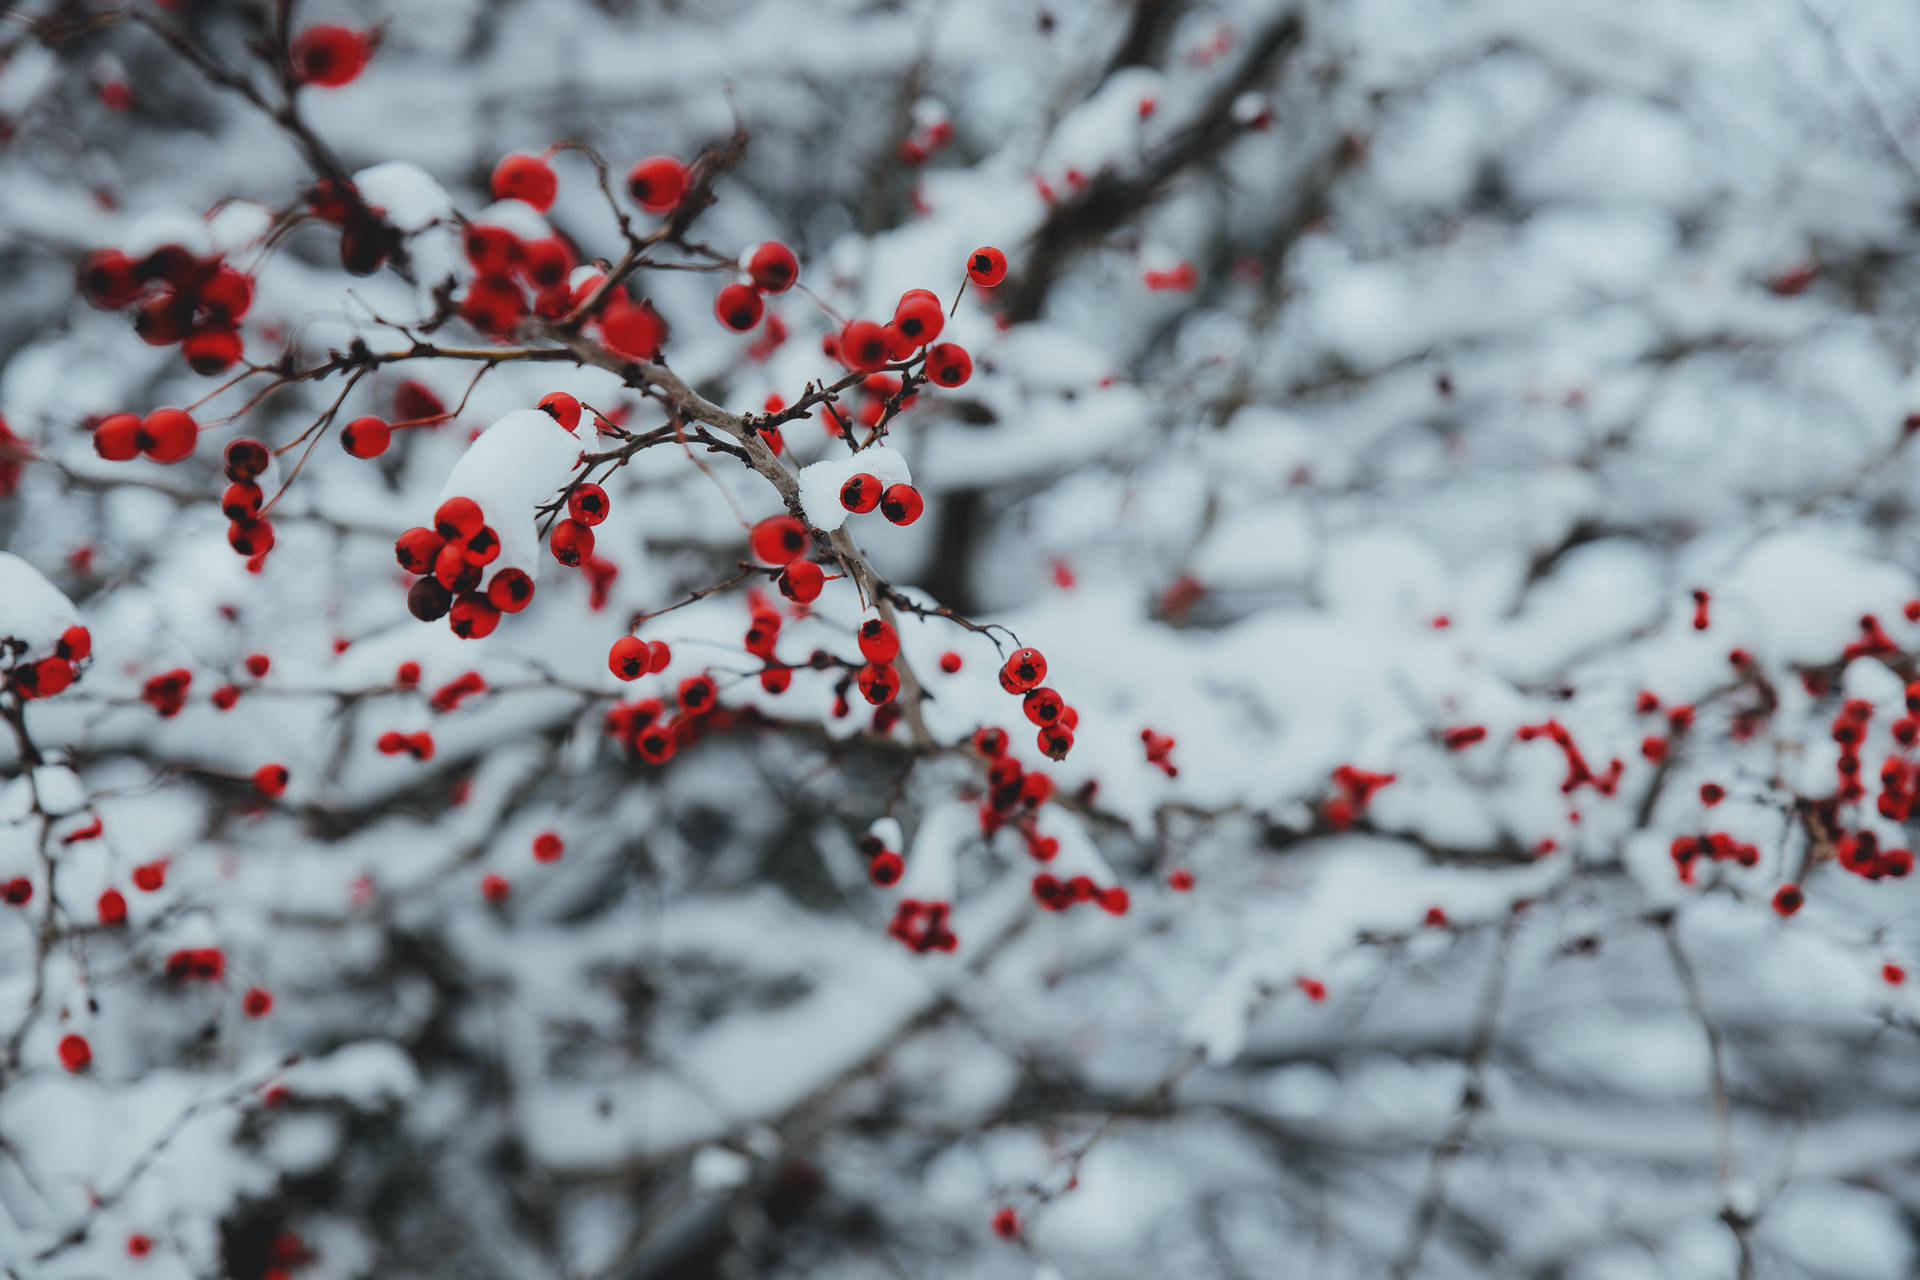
[[139, 1246], [245, 459], [992, 743], [802, 581], [919, 318], [656, 185], [588, 504], [112, 908], [1055, 741], [241, 501], [1114, 900], [902, 504], [148, 877], [778, 540], [1043, 705], [366, 437], [250, 537], [1024, 670], [257, 1003], [987, 266], [1892, 974], [473, 617], [696, 693], [1180, 880], [525, 178], [864, 346], [211, 350], [510, 591], [879, 682], [1712, 793], [258, 664], [417, 549], [329, 56], [1787, 899], [658, 656], [270, 780], [572, 542], [879, 642], [1006, 1224], [861, 493], [168, 435], [885, 868], [458, 519], [18, 891], [75, 1052], [117, 437], [948, 364], [226, 297], [482, 549], [1314, 989], [635, 331], [547, 847], [494, 888], [629, 658], [109, 279], [739, 307], [773, 267], [564, 409]]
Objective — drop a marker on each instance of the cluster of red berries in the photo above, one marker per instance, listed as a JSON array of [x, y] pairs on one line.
[[451, 558], [1179, 279], [450, 695], [1874, 642], [1860, 853], [1055, 894], [54, 673], [1357, 788], [771, 268], [1716, 846], [654, 739], [1849, 730], [166, 693], [1013, 795], [923, 926], [507, 269], [1021, 675], [1159, 747], [901, 504], [1579, 774], [208, 964], [394, 743], [1679, 720], [165, 435], [248, 533], [177, 298], [631, 657]]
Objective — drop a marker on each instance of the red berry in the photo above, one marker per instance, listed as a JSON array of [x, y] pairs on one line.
[[241, 501], [226, 297], [494, 888], [885, 868], [987, 266], [148, 877], [879, 642], [656, 185], [1180, 880], [138, 1245], [473, 617], [510, 591], [1043, 706], [802, 581], [257, 1003], [1024, 670], [738, 307], [271, 780], [257, 665], [417, 549], [587, 504], [696, 693], [563, 407], [1055, 741], [75, 1052], [861, 493], [366, 437], [547, 847], [117, 437], [630, 658], [18, 891], [1006, 1224], [773, 267], [949, 365], [902, 504], [778, 540], [245, 459], [919, 318], [635, 331], [1892, 974], [879, 682], [168, 435], [211, 350], [458, 519], [525, 178], [864, 346], [658, 656], [250, 537], [1787, 899], [950, 662], [329, 56], [75, 644], [572, 542], [109, 279]]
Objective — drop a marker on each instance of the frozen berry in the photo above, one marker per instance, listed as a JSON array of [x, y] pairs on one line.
[[458, 519], [525, 178], [879, 642], [879, 682], [563, 407], [656, 185], [629, 658], [861, 493], [987, 266], [902, 504], [572, 542]]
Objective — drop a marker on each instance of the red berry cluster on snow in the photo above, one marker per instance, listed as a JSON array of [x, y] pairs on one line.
[[451, 560], [175, 297]]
